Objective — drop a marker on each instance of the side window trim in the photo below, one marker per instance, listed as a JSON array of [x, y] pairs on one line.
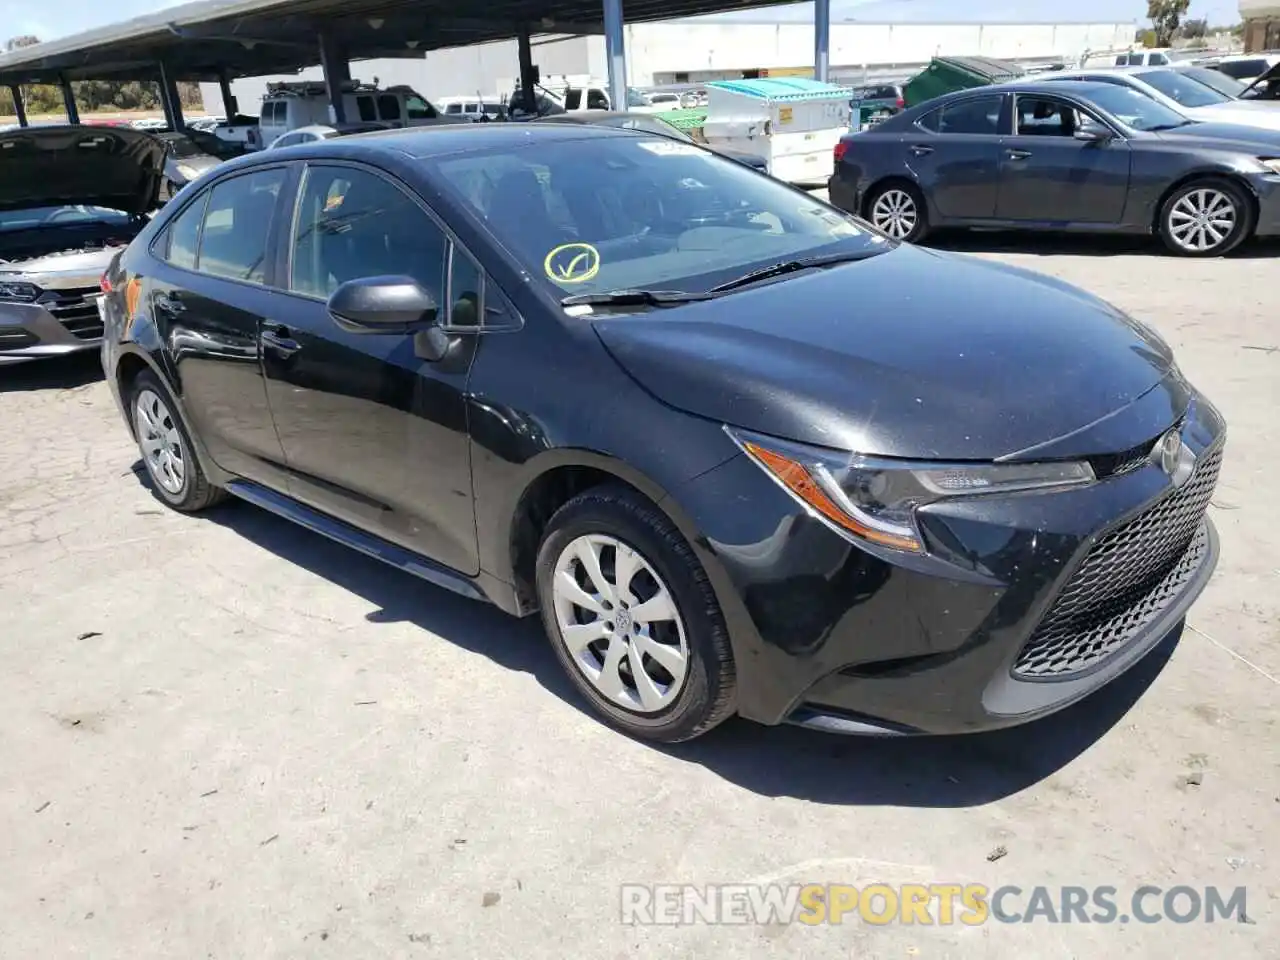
[[404, 188], [203, 199]]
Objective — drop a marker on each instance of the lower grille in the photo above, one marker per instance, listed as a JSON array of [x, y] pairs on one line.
[[1131, 575], [78, 313], [15, 338]]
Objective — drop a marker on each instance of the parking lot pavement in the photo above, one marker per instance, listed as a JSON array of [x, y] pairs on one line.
[[227, 737]]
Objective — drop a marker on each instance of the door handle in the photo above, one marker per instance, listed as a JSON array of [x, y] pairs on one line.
[[920, 150], [1017, 154], [278, 341]]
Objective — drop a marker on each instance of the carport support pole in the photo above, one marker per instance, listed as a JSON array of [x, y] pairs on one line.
[[615, 49], [170, 100], [69, 101], [19, 108], [524, 49], [229, 105], [821, 39], [337, 74]]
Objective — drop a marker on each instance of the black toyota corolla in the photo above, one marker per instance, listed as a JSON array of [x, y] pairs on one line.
[[745, 454]]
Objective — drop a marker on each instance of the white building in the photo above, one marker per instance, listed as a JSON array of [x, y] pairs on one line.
[[868, 38]]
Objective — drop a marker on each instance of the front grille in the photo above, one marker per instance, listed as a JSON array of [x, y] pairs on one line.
[[1129, 577], [15, 338], [76, 310]]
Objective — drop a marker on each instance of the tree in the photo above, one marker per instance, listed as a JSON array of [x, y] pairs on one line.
[[1194, 29], [1166, 16]]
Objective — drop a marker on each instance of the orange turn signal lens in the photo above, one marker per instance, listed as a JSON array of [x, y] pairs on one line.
[[796, 477]]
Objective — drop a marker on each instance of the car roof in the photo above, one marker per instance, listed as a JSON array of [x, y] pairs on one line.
[[444, 139], [1081, 88]]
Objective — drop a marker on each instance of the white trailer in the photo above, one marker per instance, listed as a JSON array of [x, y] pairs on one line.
[[793, 122]]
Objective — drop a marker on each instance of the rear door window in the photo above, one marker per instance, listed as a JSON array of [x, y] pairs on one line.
[[237, 222], [980, 116], [365, 105], [388, 107], [184, 235]]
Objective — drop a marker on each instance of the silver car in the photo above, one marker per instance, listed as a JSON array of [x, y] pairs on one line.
[[70, 199], [1180, 89]]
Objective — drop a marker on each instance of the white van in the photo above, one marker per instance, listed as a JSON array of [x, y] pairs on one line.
[[290, 105], [470, 108]]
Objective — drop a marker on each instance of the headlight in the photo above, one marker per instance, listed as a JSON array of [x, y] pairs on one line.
[[22, 292], [1271, 164], [875, 500]]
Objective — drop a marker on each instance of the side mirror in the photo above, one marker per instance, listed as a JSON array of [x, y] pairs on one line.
[[382, 305], [1093, 134]]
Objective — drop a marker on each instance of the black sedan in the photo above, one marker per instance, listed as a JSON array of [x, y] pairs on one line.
[[1089, 157], [744, 454], [648, 123]]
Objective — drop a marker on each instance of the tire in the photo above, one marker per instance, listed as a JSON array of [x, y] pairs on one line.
[[167, 452], [898, 210], [1188, 225], [662, 704]]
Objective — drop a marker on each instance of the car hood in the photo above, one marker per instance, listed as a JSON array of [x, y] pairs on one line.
[[1241, 136], [98, 166], [912, 353]]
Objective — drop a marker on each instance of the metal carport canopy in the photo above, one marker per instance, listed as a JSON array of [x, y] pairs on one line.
[[213, 39]]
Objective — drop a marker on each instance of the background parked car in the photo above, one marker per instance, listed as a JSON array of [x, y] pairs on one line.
[[651, 123], [1182, 91], [875, 102], [58, 234], [184, 161], [1246, 67], [321, 131], [1077, 155]]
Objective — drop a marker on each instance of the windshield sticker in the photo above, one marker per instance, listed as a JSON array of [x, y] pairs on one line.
[[671, 148], [572, 263]]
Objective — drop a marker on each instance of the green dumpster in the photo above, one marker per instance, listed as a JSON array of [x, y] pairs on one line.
[[948, 74]]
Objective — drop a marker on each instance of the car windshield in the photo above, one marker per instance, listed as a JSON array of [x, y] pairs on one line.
[[614, 213], [72, 214], [1183, 89], [1135, 110], [1229, 87]]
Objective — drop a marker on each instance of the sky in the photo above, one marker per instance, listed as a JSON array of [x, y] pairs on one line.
[[49, 19]]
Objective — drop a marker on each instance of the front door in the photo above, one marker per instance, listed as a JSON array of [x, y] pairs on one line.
[[373, 435], [956, 158], [209, 299], [1047, 175]]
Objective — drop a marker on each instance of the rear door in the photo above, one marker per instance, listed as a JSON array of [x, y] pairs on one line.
[[373, 435], [1047, 175], [954, 154], [210, 295]]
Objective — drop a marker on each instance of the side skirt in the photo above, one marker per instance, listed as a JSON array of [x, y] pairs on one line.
[[367, 543]]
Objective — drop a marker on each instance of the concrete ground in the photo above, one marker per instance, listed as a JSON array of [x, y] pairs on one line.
[[226, 737]]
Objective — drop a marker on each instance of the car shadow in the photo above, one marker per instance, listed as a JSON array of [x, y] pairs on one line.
[[938, 772], [52, 373], [1075, 244]]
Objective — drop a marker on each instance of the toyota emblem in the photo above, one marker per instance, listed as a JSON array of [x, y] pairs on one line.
[[1174, 457]]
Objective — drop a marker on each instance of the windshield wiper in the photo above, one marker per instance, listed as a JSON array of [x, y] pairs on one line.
[[634, 298], [804, 263], [1169, 126]]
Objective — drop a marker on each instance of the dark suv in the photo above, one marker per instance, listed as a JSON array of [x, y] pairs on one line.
[[743, 452]]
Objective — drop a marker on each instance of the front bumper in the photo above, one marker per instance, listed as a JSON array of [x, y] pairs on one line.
[[67, 322], [1266, 187], [1023, 605]]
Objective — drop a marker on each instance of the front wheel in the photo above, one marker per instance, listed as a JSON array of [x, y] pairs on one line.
[[633, 618], [898, 210], [1206, 218]]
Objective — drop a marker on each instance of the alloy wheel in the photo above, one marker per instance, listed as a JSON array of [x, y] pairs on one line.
[[619, 623], [895, 213], [162, 449], [1202, 219]]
